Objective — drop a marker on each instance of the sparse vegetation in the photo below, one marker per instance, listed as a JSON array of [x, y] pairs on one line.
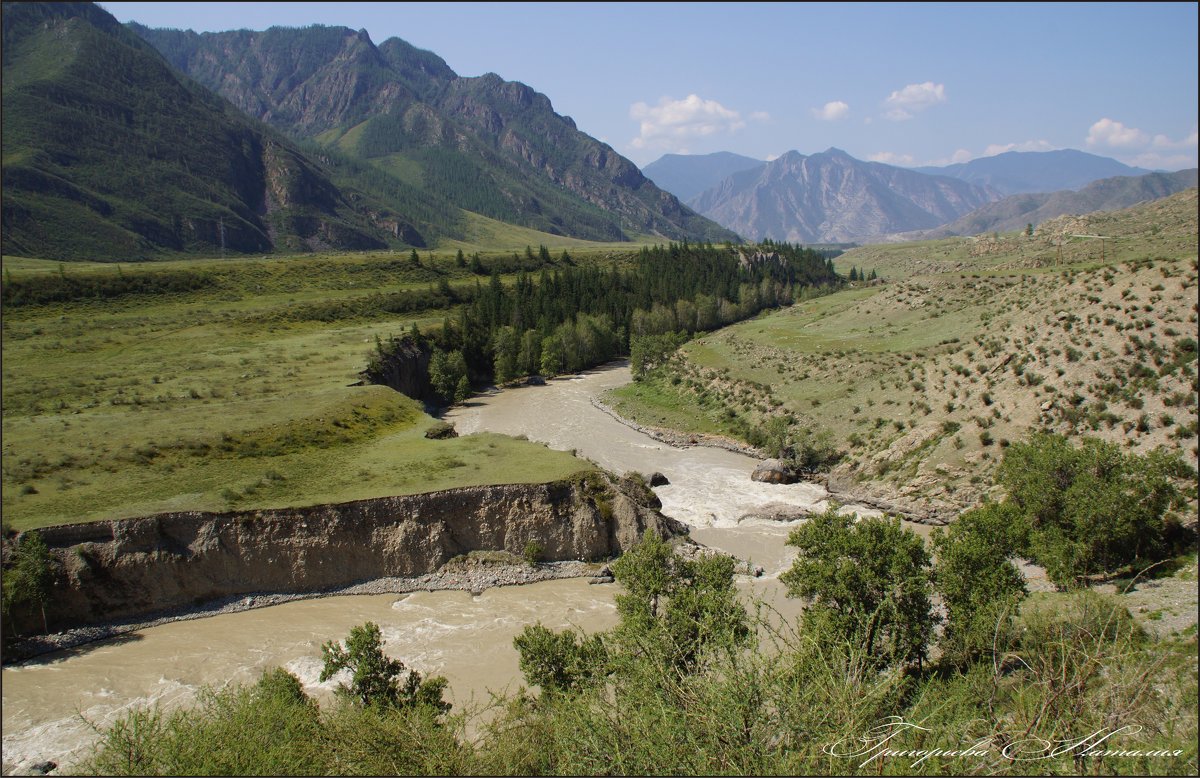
[[1010, 344]]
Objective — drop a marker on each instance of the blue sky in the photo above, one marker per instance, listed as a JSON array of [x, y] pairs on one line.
[[904, 83]]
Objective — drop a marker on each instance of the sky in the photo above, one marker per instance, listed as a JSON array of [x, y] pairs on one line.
[[909, 84]]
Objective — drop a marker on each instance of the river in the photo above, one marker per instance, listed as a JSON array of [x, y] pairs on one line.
[[49, 702]]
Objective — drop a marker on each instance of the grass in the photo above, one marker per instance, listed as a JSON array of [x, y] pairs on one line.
[[190, 401], [484, 233]]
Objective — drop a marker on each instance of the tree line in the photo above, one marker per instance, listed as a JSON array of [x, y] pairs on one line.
[[569, 318]]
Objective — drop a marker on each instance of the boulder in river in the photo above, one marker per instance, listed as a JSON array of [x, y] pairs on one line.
[[658, 479], [774, 471]]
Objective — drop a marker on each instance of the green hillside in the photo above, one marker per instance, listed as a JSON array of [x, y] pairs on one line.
[[110, 154], [490, 146], [921, 381]]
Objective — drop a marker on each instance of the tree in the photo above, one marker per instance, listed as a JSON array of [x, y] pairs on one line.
[[978, 584], [530, 356], [867, 583], [462, 390], [559, 662], [1029, 230], [459, 259], [675, 609], [29, 576], [647, 352], [1090, 509], [506, 346], [375, 679], [553, 358]]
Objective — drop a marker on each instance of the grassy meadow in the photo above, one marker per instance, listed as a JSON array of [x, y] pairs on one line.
[[234, 389], [968, 345]]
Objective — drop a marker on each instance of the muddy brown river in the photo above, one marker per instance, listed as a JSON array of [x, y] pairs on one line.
[[51, 704]]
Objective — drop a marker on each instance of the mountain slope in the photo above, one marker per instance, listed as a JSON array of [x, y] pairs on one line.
[[687, 175], [1018, 172], [110, 154], [491, 146], [831, 197], [1109, 194]]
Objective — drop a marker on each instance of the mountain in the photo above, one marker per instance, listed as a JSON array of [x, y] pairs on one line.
[[1108, 194], [687, 175], [109, 153], [1018, 172], [832, 197], [488, 145]]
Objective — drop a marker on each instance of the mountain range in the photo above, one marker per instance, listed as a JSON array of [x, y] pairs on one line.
[[491, 146], [687, 175], [110, 154], [1020, 172], [1107, 194], [317, 140], [832, 197]]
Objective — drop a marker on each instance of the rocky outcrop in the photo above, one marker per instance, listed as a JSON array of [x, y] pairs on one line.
[[402, 364], [129, 568], [774, 471]]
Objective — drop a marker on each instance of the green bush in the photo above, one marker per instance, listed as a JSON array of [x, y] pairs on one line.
[[533, 552], [1090, 509], [867, 584], [979, 586], [375, 679]]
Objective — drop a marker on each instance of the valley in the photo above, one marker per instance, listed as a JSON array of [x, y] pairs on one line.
[[368, 415]]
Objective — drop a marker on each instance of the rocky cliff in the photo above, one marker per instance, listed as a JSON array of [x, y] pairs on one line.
[[130, 568], [487, 145]]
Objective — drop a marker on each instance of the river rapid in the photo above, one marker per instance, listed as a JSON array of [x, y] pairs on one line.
[[50, 704]]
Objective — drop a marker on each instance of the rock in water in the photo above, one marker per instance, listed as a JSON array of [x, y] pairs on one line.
[[774, 471], [658, 479]]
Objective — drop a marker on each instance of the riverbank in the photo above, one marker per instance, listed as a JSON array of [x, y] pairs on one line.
[[839, 489], [468, 575]]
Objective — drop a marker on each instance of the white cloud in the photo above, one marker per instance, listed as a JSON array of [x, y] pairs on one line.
[[671, 122], [772, 157], [905, 103], [832, 111], [1141, 148], [760, 116], [1156, 161], [1029, 145], [1163, 142], [891, 158], [1113, 134]]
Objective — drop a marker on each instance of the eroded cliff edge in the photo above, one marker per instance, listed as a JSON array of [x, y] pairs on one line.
[[128, 568]]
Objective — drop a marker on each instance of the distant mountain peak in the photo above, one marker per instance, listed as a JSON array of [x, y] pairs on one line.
[[1022, 172], [831, 197]]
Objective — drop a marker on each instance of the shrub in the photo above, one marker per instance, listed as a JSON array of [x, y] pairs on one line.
[[1091, 509], [375, 679], [867, 583], [533, 552], [978, 584]]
